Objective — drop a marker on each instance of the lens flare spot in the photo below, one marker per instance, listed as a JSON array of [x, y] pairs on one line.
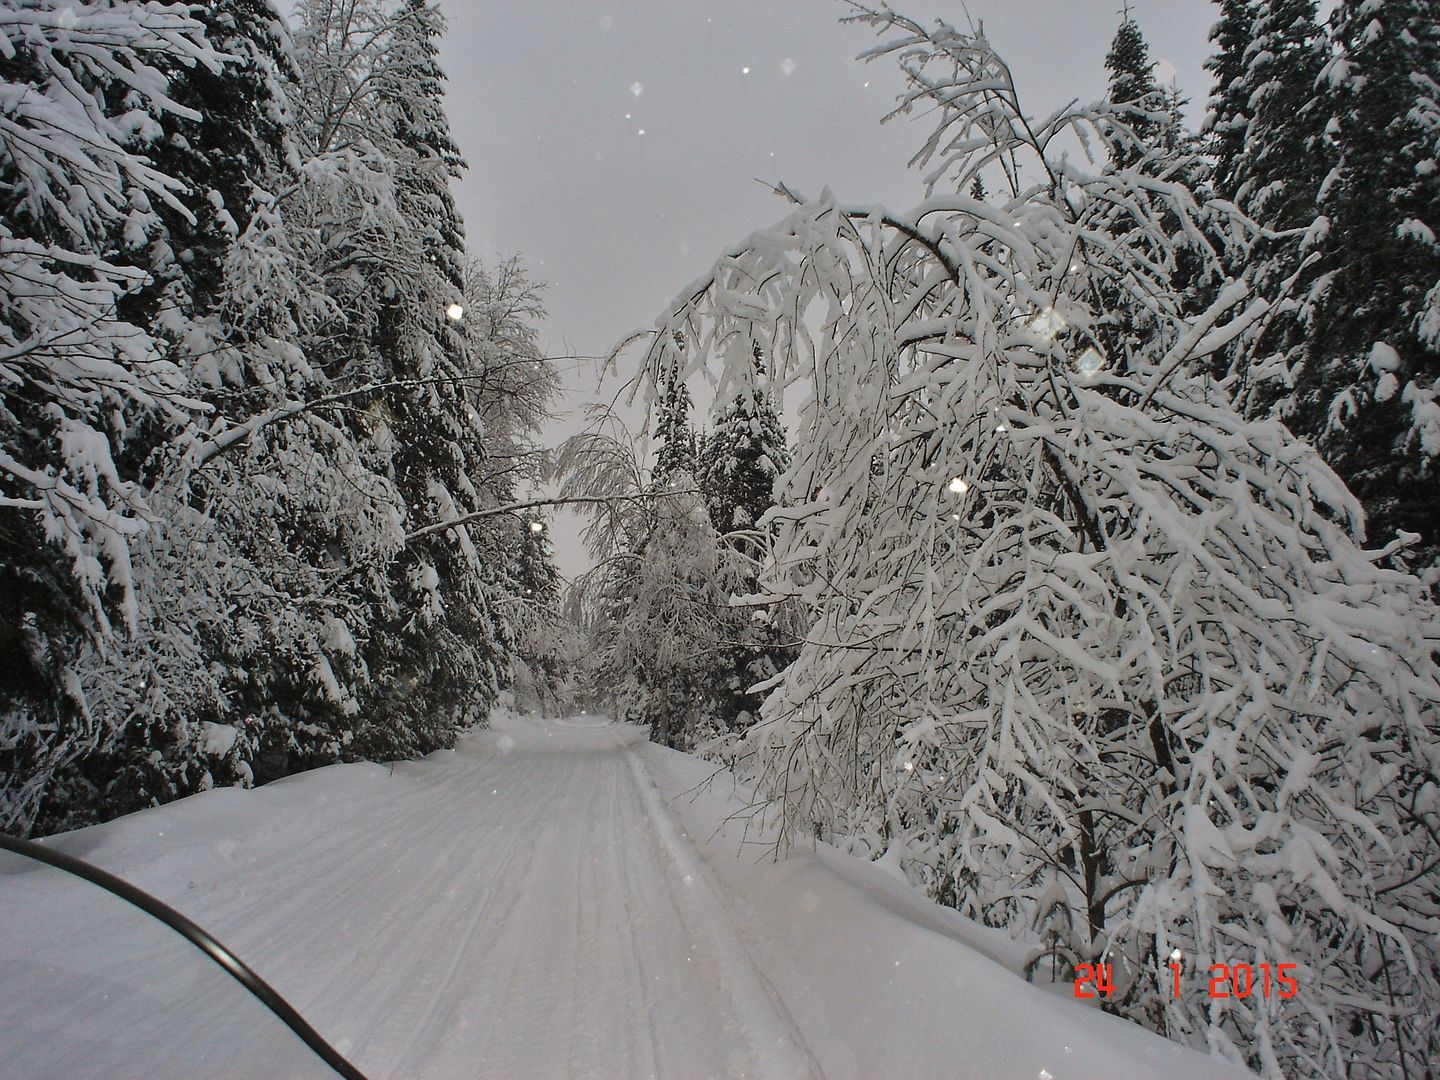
[[1090, 362], [1047, 324]]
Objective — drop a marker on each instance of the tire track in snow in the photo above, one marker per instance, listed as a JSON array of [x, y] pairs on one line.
[[639, 1006], [351, 885], [777, 1048], [599, 947], [471, 986], [479, 912]]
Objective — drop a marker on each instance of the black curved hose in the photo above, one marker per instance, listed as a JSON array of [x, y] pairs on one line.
[[197, 936]]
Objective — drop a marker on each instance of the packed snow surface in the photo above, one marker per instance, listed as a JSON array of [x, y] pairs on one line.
[[550, 899]]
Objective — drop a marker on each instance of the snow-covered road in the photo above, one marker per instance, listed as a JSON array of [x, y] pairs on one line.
[[557, 925], [512, 909], [529, 905]]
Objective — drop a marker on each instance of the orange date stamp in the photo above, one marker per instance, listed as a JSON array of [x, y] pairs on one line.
[[1225, 980]]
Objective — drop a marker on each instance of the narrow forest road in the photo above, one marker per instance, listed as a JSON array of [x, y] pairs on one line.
[[526, 906], [509, 909], [559, 924]]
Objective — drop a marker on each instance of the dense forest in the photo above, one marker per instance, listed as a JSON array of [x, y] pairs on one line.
[[260, 407], [1069, 540]]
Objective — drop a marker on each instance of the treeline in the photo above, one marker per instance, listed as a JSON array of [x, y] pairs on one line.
[[678, 543], [249, 378], [1107, 544], [1328, 136]]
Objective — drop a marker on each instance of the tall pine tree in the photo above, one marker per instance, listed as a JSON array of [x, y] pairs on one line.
[[675, 456], [1277, 181], [1134, 94], [1369, 390], [1229, 106]]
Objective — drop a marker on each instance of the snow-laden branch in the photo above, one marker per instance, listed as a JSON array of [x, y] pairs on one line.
[[1101, 659]]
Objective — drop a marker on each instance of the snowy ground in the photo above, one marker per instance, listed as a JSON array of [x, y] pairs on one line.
[[548, 900]]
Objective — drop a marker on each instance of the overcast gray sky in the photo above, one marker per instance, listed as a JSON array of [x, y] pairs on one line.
[[616, 146]]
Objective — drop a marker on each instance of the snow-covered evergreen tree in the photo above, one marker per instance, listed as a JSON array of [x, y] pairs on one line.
[[1137, 98], [1283, 156], [676, 450], [1367, 392], [674, 547], [412, 90], [374, 124], [657, 602], [233, 134], [547, 648], [444, 584], [1083, 638], [245, 404], [87, 387], [1229, 107], [741, 458], [1276, 179], [1147, 135]]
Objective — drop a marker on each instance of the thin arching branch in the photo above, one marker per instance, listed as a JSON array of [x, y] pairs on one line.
[[532, 504]]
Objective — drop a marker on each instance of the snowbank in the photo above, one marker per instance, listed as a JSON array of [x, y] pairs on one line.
[[884, 983]]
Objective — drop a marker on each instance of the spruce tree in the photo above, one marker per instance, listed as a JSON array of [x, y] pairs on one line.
[[1229, 111], [441, 653], [412, 92], [1368, 390], [89, 390], [1148, 134], [1134, 94], [741, 458], [235, 134], [543, 650], [239, 136], [675, 455], [1277, 178], [1277, 181]]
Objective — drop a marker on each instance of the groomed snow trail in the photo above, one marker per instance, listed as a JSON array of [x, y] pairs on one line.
[[584, 940], [524, 906]]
